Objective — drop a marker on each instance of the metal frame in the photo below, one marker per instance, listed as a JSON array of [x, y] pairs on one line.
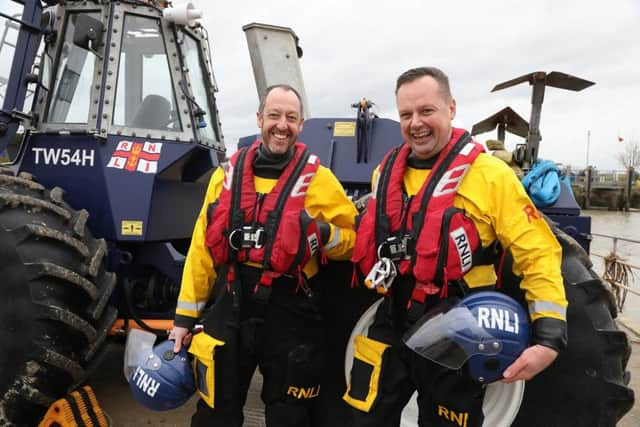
[[105, 79], [44, 99], [27, 42], [210, 84], [182, 107]]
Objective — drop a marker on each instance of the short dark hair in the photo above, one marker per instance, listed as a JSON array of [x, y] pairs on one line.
[[285, 87], [415, 73]]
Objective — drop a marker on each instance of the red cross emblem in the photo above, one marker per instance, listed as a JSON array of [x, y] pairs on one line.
[[136, 156]]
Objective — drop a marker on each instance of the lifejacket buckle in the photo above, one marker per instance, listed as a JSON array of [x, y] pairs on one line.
[[247, 237], [381, 276], [396, 248], [254, 235]]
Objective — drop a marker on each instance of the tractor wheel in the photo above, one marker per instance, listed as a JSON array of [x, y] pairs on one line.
[[54, 293], [587, 385]]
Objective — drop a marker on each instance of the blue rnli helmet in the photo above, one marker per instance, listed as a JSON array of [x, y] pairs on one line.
[[486, 330], [159, 378]]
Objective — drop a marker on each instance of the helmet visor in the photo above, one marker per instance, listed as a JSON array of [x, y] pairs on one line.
[[138, 347], [449, 335]]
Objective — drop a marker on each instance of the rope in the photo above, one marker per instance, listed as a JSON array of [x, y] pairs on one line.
[[619, 275]]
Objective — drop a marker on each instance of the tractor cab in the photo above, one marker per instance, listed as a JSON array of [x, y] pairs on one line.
[[111, 69]]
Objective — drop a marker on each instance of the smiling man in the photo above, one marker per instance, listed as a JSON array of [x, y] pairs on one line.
[[426, 109], [437, 200], [267, 222], [280, 120]]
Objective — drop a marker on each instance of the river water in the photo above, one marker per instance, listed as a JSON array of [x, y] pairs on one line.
[[619, 224]]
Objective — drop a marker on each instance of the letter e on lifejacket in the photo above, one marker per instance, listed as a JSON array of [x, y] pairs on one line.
[[301, 185], [450, 181]]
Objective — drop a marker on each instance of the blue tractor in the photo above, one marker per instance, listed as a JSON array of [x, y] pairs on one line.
[[108, 135]]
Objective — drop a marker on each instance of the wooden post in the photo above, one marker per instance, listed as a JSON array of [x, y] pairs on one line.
[[628, 186], [587, 187]]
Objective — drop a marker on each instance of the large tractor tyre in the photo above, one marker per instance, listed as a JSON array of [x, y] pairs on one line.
[[54, 293], [587, 385]]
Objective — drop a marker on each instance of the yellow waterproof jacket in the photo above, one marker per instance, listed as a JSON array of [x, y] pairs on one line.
[[325, 200], [492, 196]]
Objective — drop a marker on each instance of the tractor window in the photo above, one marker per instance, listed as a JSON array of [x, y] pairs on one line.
[[8, 38], [144, 95], [195, 64], [47, 65], [70, 98]]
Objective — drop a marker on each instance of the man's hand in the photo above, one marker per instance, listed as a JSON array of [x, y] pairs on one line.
[[181, 335], [531, 362]]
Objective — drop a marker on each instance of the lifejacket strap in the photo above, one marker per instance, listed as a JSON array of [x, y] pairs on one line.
[[234, 289], [262, 289], [416, 304]]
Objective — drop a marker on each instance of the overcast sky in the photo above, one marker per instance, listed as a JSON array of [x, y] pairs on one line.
[[357, 49]]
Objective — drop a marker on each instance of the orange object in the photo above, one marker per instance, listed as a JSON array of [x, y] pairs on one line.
[[122, 326], [78, 409]]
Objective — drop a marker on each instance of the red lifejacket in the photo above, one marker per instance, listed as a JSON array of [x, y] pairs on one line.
[[425, 234], [274, 229]]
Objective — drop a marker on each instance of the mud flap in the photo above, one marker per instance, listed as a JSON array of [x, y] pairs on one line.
[[203, 348], [364, 384]]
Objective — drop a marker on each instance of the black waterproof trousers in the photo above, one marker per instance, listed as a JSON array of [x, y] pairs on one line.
[[282, 336], [445, 397]]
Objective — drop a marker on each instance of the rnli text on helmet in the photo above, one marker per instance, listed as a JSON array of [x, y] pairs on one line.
[[145, 383], [494, 318]]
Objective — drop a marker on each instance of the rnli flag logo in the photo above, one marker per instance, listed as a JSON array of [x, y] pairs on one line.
[[136, 156]]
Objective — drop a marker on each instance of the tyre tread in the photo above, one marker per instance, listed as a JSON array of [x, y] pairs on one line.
[[62, 261]]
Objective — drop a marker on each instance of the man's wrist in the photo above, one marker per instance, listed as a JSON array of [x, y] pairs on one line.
[[184, 321], [549, 332], [325, 230]]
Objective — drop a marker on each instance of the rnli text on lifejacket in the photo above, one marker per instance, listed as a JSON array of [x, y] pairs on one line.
[[462, 245]]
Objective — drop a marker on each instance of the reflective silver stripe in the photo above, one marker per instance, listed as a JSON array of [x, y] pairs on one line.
[[336, 239], [548, 307], [190, 306]]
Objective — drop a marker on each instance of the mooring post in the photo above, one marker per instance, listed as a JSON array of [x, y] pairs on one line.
[[587, 187], [628, 186]]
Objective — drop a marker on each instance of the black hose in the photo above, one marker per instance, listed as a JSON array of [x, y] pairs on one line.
[[129, 285]]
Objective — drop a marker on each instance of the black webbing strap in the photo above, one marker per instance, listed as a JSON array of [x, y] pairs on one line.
[[383, 224], [434, 178]]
